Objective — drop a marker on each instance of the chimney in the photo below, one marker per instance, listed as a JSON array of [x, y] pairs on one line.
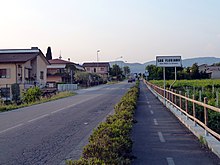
[[68, 59]]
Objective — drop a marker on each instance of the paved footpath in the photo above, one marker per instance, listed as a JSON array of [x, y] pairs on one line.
[[160, 139]]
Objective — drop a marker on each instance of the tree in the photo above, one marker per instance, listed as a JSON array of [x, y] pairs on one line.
[[126, 70], [195, 71], [116, 71], [49, 54], [155, 73]]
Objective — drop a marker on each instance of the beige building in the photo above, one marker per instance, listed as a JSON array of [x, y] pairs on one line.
[[101, 68], [26, 67]]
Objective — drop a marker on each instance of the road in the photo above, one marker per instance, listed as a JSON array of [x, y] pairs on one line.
[[160, 139], [52, 132]]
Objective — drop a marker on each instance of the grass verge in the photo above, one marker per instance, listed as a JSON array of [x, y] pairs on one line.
[[59, 95]]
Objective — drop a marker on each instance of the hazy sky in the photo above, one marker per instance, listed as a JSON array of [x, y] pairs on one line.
[[138, 30]]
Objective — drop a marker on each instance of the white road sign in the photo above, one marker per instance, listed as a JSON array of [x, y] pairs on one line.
[[168, 61]]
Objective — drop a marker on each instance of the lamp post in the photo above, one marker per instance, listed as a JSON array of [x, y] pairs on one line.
[[97, 64]]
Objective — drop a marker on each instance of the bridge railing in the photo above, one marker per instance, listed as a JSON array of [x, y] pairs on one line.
[[186, 104]]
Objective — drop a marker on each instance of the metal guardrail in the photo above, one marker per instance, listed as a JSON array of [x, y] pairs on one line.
[[177, 101]]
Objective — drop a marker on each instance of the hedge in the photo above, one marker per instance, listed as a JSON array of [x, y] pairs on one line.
[[110, 143]]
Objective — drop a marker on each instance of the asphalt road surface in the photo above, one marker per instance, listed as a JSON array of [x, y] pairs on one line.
[[160, 139], [53, 132]]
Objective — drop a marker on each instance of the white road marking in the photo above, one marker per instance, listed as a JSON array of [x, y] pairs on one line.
[[58, 110], [155, 122], [148, 102], [162, 140], [63, 108], [152, 112], [170, 161], [37, 118], [11, 128], [149, 106]]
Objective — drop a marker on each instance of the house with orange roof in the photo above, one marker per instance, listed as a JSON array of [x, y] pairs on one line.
[[62, 71]]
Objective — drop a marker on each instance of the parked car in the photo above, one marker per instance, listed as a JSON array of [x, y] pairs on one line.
[[130, 80]]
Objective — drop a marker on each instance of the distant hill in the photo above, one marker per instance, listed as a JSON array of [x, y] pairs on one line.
[[200, 61], [140, 68]]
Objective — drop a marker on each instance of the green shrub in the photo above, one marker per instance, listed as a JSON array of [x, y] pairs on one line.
[[32, 95], [82, 161]]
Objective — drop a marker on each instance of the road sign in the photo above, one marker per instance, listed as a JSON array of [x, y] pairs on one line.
[[168, 61], [146, 73]]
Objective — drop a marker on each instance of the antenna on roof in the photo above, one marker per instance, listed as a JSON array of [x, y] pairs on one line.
[[60, 55]]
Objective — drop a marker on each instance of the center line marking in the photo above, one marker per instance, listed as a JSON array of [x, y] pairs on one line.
[[37, 118], [11, 128], [155, 122], [63, 108], [170, 161], [152, 112], [162, 140]]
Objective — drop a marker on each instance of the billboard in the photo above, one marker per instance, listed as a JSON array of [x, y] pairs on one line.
[[168, 61]]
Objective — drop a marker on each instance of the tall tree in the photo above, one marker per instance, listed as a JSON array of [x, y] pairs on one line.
[[116, 71], [49, 54], [195, 71], [126, 70]]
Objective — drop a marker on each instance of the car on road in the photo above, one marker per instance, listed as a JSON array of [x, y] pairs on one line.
[[130, 80]]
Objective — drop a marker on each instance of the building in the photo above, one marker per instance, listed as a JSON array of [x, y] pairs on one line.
[[101, 68], [61, 71], [212, 70], [26, 67]]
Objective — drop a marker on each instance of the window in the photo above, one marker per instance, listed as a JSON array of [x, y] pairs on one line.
[[88, 69], [41, 75], [4, 73], [102, 69], [95, 70]]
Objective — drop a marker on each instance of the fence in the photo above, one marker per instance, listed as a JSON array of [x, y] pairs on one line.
[[188, 106], [67, 87]]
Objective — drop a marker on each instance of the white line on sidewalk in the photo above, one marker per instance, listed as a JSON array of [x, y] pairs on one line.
[[170, 161], [155, 122], [162, 140], [11, 128], [37, 118], [152, 112]]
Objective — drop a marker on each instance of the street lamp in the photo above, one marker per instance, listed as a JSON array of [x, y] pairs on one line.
[[97, 63]]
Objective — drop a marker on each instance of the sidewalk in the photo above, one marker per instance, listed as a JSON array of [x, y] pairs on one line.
[[160, 139]]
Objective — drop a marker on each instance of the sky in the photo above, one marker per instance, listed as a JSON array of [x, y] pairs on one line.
[[136, 30]]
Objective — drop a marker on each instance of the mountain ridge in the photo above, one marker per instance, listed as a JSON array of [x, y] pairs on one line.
[[140, 68]]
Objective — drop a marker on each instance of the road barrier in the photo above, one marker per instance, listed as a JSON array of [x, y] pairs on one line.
[[67, 87], [186, 110], [177, 100]]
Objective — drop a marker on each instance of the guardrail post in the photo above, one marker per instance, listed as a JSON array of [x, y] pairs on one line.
[[194, 111], [205, 116], [172, 96], [175, 97], [186, 105], [180, 101]]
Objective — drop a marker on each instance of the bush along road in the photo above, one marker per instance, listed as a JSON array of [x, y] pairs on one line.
[[111, 142]]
